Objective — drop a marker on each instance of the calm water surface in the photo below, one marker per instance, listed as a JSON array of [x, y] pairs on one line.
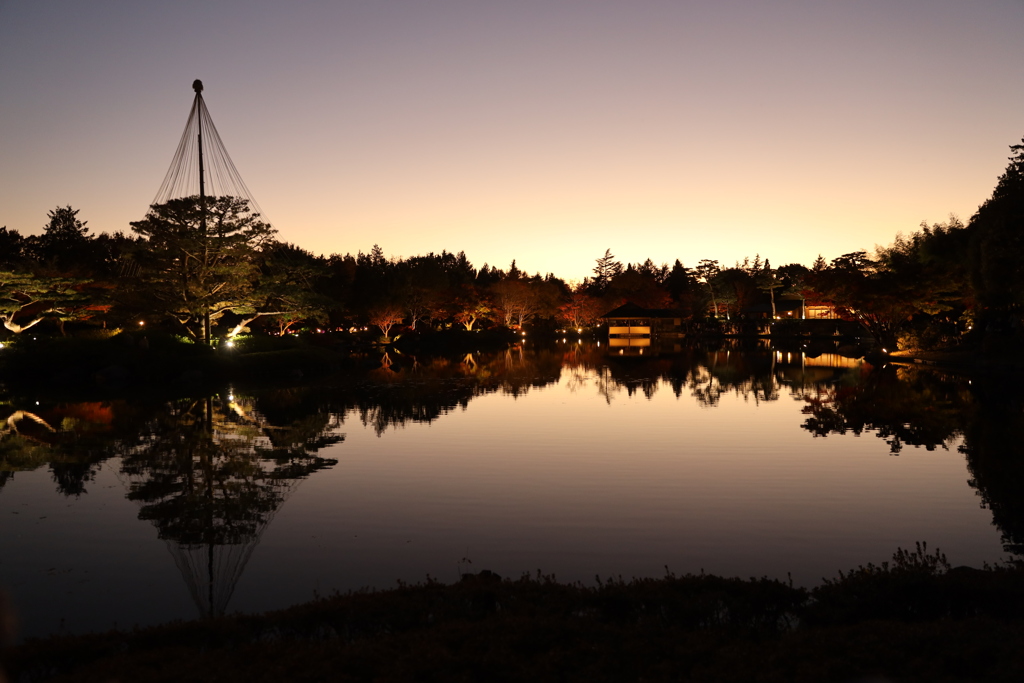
[[569, 460]]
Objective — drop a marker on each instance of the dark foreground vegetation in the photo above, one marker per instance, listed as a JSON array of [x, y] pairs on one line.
[[912, 619]]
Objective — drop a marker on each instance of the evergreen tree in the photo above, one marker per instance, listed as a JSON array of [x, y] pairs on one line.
[[200, 261], [607, 268], [65, 242], [997, 251]]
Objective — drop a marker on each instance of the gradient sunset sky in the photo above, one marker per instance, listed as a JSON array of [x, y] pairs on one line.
[[541, 131]]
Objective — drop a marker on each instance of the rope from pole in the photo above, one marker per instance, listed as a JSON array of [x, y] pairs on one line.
[[220, 176]]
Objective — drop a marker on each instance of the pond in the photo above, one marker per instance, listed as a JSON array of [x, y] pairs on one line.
[[571, 459]]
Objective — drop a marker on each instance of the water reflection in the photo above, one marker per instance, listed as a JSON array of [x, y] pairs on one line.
[[993, 440], [210, 473], [709, 373], [902, 405]]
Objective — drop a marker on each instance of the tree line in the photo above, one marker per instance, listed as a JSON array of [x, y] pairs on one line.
[[212, 268]]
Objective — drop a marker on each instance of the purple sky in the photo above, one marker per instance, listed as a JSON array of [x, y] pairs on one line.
[[545, 131]]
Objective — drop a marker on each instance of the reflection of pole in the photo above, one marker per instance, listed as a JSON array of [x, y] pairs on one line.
[[209, 576], [208, 468]]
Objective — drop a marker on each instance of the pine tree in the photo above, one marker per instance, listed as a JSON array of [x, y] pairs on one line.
[[997, 250], [194, 269], [607, 268]]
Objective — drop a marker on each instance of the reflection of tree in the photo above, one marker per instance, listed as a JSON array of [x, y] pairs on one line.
[[60, 436], [910, 406], [210, 475], [706, 387], [706, 375], [992, 445], [904, 406], [19, 454], [409, 389]]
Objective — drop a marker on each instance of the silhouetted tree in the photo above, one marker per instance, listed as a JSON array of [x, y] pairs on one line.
[[768, 280], [12, 246], [200, 261], [580, 309], [607, 268], [639, 286], [707, 272], [997, 255], [287, 289], [65, 242]]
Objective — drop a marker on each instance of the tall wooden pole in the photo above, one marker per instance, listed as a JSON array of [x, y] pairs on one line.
[[197, 85]]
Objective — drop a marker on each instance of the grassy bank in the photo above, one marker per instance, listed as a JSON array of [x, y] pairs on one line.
[[913, 619]]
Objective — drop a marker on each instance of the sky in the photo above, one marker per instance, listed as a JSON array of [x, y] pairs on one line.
[[544, 131]]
